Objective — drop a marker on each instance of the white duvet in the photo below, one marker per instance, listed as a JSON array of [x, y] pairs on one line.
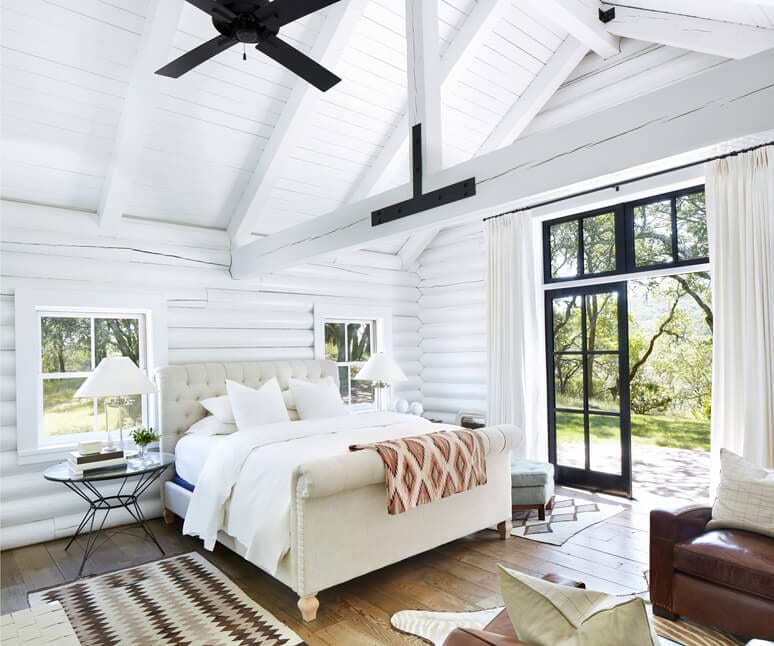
[[244, 488]]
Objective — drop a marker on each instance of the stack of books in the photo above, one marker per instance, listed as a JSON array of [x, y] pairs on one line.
[[83, 463]]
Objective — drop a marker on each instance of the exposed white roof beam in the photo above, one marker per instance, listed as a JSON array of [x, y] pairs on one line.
[[581, 19], [158, 35], [416, 243], [537, 94], [475, 29], [733, 99], [332, 40], [726, 39]]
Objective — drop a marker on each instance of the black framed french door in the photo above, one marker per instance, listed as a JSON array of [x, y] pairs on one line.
[[589, 439]]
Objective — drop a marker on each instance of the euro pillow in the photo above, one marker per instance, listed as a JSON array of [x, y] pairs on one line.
[[745, 496], [317, 401], [257, 407], [547, 614], [219, 407], [211, 425]]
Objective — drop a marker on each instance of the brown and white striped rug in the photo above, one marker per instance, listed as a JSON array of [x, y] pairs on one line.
[[180, 600]]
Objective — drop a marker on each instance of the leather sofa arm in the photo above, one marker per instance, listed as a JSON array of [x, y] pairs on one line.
[[668, 527], [471, 637]]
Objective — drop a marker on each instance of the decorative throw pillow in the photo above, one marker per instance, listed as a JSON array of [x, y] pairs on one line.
[[549, 614], [745, 496], [211, 425], [219, 407], [257, 407], [315, 401]]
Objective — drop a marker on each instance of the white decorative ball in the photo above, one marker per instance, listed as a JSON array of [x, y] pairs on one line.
[[416, 408], [401, 406]]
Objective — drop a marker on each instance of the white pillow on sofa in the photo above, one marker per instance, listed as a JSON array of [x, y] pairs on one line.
[[316, 401], [745, 496], [219, 407], [257, 407]]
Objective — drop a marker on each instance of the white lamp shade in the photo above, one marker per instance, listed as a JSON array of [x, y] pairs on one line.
[[115, 377], [381, 368]]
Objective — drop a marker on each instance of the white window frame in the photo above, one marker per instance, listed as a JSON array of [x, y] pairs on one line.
[[29, 305], [381, 332]]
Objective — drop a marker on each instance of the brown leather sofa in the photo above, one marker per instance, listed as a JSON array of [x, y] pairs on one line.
[[722, 577], [499, 631]]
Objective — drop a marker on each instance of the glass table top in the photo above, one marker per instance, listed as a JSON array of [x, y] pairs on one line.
[[134, 466]]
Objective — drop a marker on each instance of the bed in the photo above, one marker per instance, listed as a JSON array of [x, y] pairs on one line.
[[337, 525]]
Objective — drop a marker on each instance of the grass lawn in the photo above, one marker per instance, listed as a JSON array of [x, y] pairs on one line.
[[647, 430]]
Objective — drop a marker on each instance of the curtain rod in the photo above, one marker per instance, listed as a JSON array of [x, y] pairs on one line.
[[616, 185]]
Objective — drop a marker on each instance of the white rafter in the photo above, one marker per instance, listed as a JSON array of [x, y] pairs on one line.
[[158, 35], [726, 39], [477, 26], [733, 99], [537, 94], [332, 40], [581, 19]]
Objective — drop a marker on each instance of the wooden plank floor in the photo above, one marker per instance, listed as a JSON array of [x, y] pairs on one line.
[[610, 556]]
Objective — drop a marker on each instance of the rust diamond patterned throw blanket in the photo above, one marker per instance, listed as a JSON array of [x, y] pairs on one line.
[[429, 467]]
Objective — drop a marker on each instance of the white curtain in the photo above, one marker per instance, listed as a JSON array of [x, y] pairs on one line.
[[517, 374], [740, 216]]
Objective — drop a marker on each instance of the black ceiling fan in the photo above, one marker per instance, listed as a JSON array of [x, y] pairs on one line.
[[256, 21]]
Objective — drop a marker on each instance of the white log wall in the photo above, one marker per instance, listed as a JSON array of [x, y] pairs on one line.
[[210, 316], [452, 311]]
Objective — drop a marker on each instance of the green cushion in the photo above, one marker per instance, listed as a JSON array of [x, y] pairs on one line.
[[530, 473]]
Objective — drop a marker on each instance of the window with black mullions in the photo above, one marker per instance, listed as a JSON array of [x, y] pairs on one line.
[[664, 231]]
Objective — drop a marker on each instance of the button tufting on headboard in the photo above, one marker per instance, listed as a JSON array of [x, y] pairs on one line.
[[183, 386]]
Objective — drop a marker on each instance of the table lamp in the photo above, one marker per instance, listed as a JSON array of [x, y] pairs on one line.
[[382, 371], [116, 379]]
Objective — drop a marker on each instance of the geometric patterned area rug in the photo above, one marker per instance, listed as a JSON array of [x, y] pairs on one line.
[[180, 600], [434, 627], [567, 518]]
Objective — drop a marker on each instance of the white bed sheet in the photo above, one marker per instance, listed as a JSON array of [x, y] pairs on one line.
[[191, 453]]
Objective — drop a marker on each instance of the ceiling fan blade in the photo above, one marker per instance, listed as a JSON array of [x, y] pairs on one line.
[[281, 12], [196, 56], [298, 63], [213, 7]]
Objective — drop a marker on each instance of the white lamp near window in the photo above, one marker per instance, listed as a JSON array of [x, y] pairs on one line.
[[116, 378], [382, 371]]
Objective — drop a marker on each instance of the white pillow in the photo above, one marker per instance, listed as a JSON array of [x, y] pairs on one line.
[[219, 407], [745, 497], [546, 614], [316, 401], [211, 425], [257, 407]]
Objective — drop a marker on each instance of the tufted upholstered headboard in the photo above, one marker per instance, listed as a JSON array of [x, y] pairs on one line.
[[182, 387]]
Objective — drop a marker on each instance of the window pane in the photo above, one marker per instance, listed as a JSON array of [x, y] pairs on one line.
[[564, 249], [567, 324], [692, 240], [335, 345], [65, 344], [362, 391], [602, 321], [653, 234], [117, 338], [570, 450], [603, 382], [568, 381], [599, 243], [605, 443], [63, 415], [344, 383], [359, 339]]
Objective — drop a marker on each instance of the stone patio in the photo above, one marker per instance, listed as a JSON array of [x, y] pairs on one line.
[[667, 476]]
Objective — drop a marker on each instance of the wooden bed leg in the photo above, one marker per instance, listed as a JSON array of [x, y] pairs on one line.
[[505, 528], [169, 517], [308, 606]]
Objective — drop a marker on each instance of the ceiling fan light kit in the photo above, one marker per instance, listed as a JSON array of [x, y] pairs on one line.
[[256, 22]]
